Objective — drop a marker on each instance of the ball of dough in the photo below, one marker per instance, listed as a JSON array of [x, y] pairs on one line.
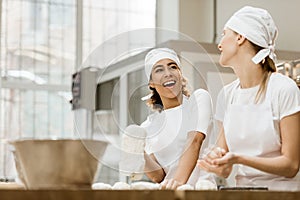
[[185, 187], [205, 185], [143, 185], [101, 186], [121, 186]]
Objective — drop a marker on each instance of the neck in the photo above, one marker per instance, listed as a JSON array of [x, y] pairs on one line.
[[172, 102], [249, 73], [251, 80]]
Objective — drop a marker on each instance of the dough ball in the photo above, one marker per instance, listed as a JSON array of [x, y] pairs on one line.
[[205, 185], [185, 187], [121, 186], [143, 185], [101, 186]]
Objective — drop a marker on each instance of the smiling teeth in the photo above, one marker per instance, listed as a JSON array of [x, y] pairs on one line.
[[169, 83]]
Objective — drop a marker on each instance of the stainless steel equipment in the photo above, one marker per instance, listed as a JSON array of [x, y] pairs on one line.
[[291, 69]]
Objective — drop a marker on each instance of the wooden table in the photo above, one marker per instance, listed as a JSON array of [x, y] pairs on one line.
[[19, 194]]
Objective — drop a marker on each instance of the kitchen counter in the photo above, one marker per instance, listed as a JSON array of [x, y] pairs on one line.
[[82, 194]]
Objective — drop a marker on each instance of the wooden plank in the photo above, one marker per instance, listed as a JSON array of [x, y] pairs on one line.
[[144, 195]]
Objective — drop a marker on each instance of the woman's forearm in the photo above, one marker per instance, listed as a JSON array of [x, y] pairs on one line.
[[277, 165], [287, 164], [189, 157], [152, 169]]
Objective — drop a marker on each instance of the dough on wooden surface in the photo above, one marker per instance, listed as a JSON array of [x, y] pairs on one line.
[[101, 186]]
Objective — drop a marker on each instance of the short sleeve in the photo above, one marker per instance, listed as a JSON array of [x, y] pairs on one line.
[[220, 106], [289, 99], [200, 111]]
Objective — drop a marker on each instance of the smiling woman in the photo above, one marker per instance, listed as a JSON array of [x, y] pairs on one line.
[[167, 80], [179, 125]]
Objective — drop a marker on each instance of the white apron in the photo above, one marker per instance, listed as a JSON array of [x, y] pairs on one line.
[[249, 130]]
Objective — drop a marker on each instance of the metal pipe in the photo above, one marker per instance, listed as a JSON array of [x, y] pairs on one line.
[[79, 33], [215, 22]]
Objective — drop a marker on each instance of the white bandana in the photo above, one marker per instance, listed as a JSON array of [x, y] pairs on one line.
[[156, 55], [257, 26]]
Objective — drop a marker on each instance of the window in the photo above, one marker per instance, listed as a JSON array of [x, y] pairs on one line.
[[38, 57]]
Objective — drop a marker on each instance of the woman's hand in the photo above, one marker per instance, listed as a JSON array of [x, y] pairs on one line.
[[170, 184], [228, 158], [217, 160]]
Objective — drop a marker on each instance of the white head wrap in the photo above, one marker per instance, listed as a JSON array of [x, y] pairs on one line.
[[156, 55], [257, 26]]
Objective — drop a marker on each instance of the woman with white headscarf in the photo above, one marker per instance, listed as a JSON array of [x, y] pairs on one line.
[[258, 112], [178, 127]]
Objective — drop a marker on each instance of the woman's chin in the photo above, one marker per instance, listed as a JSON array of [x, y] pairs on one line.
[[224, 64], [172, 95]]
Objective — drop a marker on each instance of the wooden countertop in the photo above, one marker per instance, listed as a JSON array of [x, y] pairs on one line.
[[81, 194]]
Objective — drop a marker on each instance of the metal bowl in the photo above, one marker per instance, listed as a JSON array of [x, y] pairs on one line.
[[62, 163]]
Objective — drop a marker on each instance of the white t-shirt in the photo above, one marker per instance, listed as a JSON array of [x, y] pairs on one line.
[[167, 130], [282, 92], [284, 96]]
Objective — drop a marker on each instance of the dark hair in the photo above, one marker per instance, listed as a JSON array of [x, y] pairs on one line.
[[155, 101], [268, 67]]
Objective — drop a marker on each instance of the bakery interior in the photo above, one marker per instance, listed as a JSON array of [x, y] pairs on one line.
[[73, 70]]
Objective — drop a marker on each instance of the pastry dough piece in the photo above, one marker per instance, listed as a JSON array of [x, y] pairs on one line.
[[101, 186], [132, 161], [143, 185], [205, 185], [121, 186], [185, 187]]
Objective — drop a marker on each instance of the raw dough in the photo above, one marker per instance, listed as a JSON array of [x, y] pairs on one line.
[[121, 186], [101, 186], [185, 187], [205, 185], [143, 185]]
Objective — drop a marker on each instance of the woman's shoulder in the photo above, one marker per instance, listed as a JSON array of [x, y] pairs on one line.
[[200, 95], [199, 92], [154, 115], [277, 77], [282, 83], [150, 119], [231, 86], [227, 90]]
